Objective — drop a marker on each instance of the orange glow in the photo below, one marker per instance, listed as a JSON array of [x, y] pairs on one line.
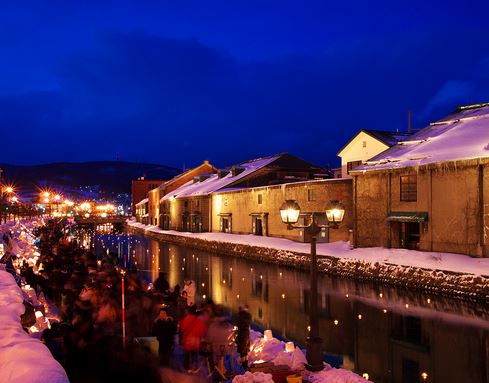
[[85, 206]]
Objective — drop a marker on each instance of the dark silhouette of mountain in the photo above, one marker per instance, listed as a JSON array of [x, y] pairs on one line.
[[109, 176]]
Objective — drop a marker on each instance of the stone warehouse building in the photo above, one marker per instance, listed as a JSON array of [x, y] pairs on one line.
[[429, 192], [140, 189], [155, 195], [190, 207], [256, 210]]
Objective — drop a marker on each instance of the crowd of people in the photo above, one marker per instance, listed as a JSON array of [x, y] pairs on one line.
[[88, 340]]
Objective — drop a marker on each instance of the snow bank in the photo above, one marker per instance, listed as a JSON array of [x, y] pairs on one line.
[[22, 359], [457, 263]]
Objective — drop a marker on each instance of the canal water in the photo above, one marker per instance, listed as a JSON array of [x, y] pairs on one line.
[[393, 335]]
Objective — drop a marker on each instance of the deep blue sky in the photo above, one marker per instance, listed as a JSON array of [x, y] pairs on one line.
[[176, 82]]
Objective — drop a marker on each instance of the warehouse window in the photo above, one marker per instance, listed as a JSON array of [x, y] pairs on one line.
[[311, 196], [350, 165], [409, 188]]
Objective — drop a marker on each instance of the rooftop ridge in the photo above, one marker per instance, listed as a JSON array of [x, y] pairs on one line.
[[472, 106]]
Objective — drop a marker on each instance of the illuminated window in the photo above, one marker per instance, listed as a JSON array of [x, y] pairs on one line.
[[409, 188]]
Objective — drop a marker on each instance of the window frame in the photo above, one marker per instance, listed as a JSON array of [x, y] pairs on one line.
[[351, 165], [408, 189]]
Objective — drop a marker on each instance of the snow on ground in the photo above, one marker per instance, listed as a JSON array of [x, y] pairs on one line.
[[23, 358], [458, 263]]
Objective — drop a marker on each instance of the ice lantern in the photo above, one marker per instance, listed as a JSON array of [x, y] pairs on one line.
[[268, 335], [289, 347]]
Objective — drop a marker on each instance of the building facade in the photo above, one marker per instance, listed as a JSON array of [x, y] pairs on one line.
[[140, 189], [364, 145], [257, 210], [191, 207], [161, 209], [430, 193]]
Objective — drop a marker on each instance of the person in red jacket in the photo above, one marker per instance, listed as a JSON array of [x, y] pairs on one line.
[[192, 330]]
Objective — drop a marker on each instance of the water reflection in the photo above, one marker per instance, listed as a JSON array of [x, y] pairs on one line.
[[393, 335]]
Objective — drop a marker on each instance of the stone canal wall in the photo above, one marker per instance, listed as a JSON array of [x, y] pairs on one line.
[[466, 286]]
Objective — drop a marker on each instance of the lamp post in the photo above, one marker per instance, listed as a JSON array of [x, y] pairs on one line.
[[7, 192], [290, 212]]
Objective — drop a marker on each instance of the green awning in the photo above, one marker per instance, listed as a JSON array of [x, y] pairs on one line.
[[402, 216]]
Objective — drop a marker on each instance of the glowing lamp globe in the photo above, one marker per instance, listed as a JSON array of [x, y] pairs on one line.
[[335, 213], [290, 211]]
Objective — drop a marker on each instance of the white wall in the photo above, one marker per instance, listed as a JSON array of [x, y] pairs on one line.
[[356, 151]]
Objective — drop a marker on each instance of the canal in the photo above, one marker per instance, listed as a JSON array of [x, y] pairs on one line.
[[393, 335]]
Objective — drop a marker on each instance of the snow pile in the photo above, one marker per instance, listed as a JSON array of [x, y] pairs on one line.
[[253, 377], [273, 350], [333, 375], [22, 359]]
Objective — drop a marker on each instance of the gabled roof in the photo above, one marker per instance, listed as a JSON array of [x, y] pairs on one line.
[[462, 135], [142, 202], [387, 138], [179, 176], [214, 183]]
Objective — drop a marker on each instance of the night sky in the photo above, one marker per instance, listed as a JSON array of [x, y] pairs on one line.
[[176, 82]]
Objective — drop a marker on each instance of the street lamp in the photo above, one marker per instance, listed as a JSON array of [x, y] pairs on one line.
[[335, 213], [290, 212]]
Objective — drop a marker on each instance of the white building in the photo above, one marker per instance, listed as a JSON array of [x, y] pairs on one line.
[[365, 145]]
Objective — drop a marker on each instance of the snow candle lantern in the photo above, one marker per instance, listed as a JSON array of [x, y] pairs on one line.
[[267, 335], [289, 347]]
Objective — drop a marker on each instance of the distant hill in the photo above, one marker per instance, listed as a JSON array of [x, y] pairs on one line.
[[109, 176]]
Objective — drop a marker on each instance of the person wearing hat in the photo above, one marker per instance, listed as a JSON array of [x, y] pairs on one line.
[[164, 329]]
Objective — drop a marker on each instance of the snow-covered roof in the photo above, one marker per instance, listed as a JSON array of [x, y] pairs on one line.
[[214, 183], [185, 173], [388, 138], [462, 135], [142, 202]]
